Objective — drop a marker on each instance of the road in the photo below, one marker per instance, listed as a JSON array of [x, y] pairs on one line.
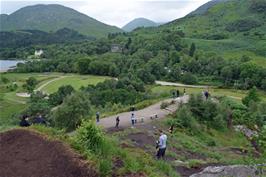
[[145, 114]]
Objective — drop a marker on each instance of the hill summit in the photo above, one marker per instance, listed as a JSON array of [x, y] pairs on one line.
[[139, 22], [53, 17]]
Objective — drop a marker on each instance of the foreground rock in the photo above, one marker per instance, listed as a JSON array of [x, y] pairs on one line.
[[28, 154], [228, 171]]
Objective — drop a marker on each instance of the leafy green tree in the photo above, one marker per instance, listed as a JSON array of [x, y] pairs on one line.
[[192, 49], [58, 97], [31, 83], [189, 78], [38, 104], [262, 139], [74, 108], [251, 96]]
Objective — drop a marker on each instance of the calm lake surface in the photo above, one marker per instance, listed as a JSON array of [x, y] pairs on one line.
[[7, 64]]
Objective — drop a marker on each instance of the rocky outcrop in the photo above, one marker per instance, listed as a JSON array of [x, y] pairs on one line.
[[228, 171]]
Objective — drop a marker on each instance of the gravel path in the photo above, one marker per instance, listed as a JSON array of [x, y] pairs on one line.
[[143, 114], [179, 85]]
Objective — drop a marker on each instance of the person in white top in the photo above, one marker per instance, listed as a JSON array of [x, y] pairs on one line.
[[161, 145]]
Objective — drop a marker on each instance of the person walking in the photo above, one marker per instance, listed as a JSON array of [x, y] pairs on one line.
[[117, 120], [161, 145], [132, 119], [97, 117]]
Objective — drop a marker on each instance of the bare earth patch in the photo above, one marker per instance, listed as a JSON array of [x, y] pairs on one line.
[[25, 153]]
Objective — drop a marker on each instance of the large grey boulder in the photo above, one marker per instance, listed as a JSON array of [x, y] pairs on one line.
[[227, 171]]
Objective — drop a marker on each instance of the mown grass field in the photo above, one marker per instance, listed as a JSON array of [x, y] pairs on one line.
[[75, 81], [11, 104]]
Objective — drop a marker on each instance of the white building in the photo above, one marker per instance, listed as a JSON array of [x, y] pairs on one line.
[[38, 53]]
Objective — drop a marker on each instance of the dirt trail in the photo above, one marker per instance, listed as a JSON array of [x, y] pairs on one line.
[[145, 114], [28, 154]]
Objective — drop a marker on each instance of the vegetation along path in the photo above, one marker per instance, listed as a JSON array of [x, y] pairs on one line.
[[144, 115]]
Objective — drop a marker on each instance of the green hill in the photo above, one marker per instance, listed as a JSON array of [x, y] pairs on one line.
[[139, 22], [229, 27], [52, 18]]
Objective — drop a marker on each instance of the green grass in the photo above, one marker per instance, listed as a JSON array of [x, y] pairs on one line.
[[235, 94], [76, 81]]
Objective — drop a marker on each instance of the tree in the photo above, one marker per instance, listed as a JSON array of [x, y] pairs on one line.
[[192, 49], [58, 97], [74, 108], [189, 78], [252, 96], [31, 83]]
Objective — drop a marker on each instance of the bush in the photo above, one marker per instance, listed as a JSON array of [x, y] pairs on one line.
[[90, 137], [189, 78], [74, 108], [252, 96], [185, 119], [164, 105]]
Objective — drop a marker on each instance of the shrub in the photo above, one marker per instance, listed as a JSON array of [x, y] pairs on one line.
[[252, 96], [74, 108], [189, 78], [185, 119], [90, 137], [164, 105]]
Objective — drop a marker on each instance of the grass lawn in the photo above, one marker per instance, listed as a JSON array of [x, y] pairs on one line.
[[235, 94], [74, 80]]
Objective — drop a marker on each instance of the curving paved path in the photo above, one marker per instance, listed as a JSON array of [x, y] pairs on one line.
[[145, 114]]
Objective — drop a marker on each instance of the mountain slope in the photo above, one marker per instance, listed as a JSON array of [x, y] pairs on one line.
[[204, 8], [229, 27], [139, 22], [52, 18]]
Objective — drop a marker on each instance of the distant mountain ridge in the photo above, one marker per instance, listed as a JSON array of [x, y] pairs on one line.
[[139, 22], [53, 17]]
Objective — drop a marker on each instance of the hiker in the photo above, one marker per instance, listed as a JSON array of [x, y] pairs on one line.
[[39, 120], [161, 145], [206, 93], [132, 108], [117, 121], [97, 117], [133, 119], [184, 91], [177, 93], [173, 95], [24, 121]]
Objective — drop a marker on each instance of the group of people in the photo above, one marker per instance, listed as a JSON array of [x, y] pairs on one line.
[[25, 120]]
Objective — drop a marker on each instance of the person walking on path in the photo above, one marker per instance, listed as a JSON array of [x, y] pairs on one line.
[[177, 93], [117, 120], [161, 145], [133, 119], [97, 117], [206, 93]]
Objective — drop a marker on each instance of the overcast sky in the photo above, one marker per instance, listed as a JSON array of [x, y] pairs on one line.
[[118, 12]]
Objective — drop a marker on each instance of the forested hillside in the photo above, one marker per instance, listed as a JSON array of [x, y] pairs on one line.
[[230, 28], [52, 18]]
